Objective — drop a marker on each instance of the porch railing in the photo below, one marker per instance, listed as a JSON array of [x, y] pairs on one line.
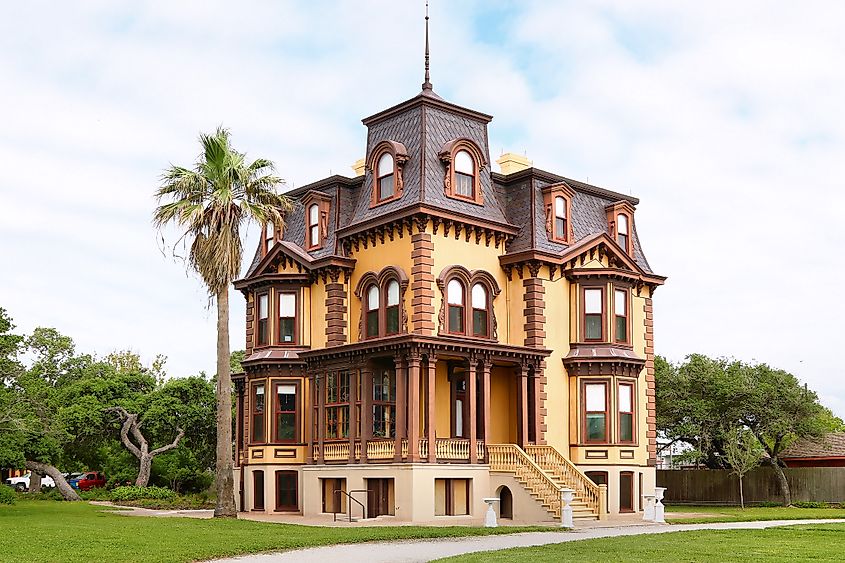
[[445, 449], [511, 458], [568, 475]]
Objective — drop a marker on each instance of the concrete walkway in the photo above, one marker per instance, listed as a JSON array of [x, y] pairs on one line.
[[427, 550]]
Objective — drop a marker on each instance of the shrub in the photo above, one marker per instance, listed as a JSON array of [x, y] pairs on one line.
[[96, 494], [769, 504], [46, 494], [136, 493], [7, 495], [812, 504]]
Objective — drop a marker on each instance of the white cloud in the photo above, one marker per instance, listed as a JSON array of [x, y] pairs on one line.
[[723, 118]]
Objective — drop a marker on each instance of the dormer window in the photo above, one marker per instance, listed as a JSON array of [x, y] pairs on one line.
[[464, 161], [385, 176], [313, 225], [622, 231], [557, 201], [464, 174], [269, 236]]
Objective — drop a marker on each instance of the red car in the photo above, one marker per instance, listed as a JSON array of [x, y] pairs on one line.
[[89, 480]]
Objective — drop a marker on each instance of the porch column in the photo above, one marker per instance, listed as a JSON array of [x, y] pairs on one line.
[[366, 408], [522, 405], [472, 392], [320, 386], [486, 367], [430, 414], [401, 405], [309, 417], [353, 412], [414, 407]]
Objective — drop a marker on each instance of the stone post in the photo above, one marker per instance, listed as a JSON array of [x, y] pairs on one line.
[[566, 496], [658, 505], [490, 515], [602, 502], [648, 513]]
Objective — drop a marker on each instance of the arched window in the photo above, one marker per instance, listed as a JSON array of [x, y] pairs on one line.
[[464, 174], [391, 312], [456, 299], [560, 218], [385, 177], [313, 225], [480, 315], [269, 236], [622, 231], [373, 299]]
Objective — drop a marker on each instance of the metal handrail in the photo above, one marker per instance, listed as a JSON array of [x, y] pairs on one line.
[[349, 507]]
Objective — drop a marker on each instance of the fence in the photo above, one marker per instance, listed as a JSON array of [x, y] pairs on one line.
[[705, 486]]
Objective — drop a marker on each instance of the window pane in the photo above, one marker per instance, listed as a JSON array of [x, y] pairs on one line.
[[622, 222], [620, 302], [595, 396], [560, 228], [621, 329], [560, 207], [385, 165], [313, 214], [287, 305], [625, 398], [479, 296], [626, 427], [372, 323], [463, 184], [622, 240], [287, 397], [464, 163], [385, 187], [592, 301], [455, 292], [258, 428], [392, 320], [372, 298], [596, 427], [259, 399], [593, 327], [456, 318], [286, 426], [392, 293], [270, 235], [286, 330], [479, 322], [263, 306]]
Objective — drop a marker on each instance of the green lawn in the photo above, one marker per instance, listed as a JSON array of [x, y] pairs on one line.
[[50, 531], [823, 542], [735, 514]]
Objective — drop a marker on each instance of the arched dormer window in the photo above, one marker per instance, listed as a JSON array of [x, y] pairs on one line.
[[386, 162], [382, 296], [456, 295], [372, 316], [464, 174], [622, 231], [384, 177], [480, 311], [467, 303], [560, 217], [269, 236], [557, 200], [464, 161], [313, 225]]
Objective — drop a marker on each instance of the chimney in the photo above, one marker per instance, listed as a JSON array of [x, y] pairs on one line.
[[358, 167], [511, 162]]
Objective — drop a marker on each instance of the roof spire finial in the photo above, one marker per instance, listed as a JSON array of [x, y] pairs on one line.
[[426, 86]]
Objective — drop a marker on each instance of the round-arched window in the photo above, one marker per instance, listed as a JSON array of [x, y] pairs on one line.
[[373, 297], [480, 313], [455, 295], [385, 177], [464, 174], [622, 231], [392, 308]]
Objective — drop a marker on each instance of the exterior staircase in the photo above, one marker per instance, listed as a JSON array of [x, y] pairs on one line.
[[543, 471]]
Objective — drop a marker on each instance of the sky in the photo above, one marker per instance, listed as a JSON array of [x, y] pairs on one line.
[[724, 118]]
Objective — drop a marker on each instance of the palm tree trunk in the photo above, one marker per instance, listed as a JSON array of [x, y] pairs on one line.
[[225, 480]]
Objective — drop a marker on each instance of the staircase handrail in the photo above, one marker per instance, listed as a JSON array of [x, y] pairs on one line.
[[569, 474], [349, 505]]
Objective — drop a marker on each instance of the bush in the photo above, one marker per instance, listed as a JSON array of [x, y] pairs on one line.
[[46, 494], [812, 504], [769, 504], [7, 495], [96, 494], [133, 492]]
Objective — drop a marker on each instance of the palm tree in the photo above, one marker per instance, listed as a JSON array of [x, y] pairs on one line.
[[210, 203]]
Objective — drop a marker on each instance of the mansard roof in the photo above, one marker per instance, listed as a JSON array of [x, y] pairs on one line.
[[511, 204]]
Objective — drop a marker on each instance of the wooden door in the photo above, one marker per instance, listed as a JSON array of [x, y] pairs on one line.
[[258, 490], [286, 491], [626, 491]]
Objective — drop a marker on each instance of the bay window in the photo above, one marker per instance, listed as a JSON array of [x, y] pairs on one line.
[[626, 412], [285, 425], [263, 314], [593, 314], [595, 411]]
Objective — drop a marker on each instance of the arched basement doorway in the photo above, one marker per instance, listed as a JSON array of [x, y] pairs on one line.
[[505, 503]]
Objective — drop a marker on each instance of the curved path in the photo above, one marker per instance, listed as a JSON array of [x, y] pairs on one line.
[[413, 551]]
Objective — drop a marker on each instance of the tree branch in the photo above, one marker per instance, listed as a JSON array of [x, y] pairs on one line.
[[128, 423], [169, 446]]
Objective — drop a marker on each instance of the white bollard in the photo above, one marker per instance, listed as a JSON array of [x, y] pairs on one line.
[[658, 506], [490, 515], [648, 513], [566, 497]]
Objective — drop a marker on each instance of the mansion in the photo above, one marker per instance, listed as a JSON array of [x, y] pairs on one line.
[[432, 332]]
